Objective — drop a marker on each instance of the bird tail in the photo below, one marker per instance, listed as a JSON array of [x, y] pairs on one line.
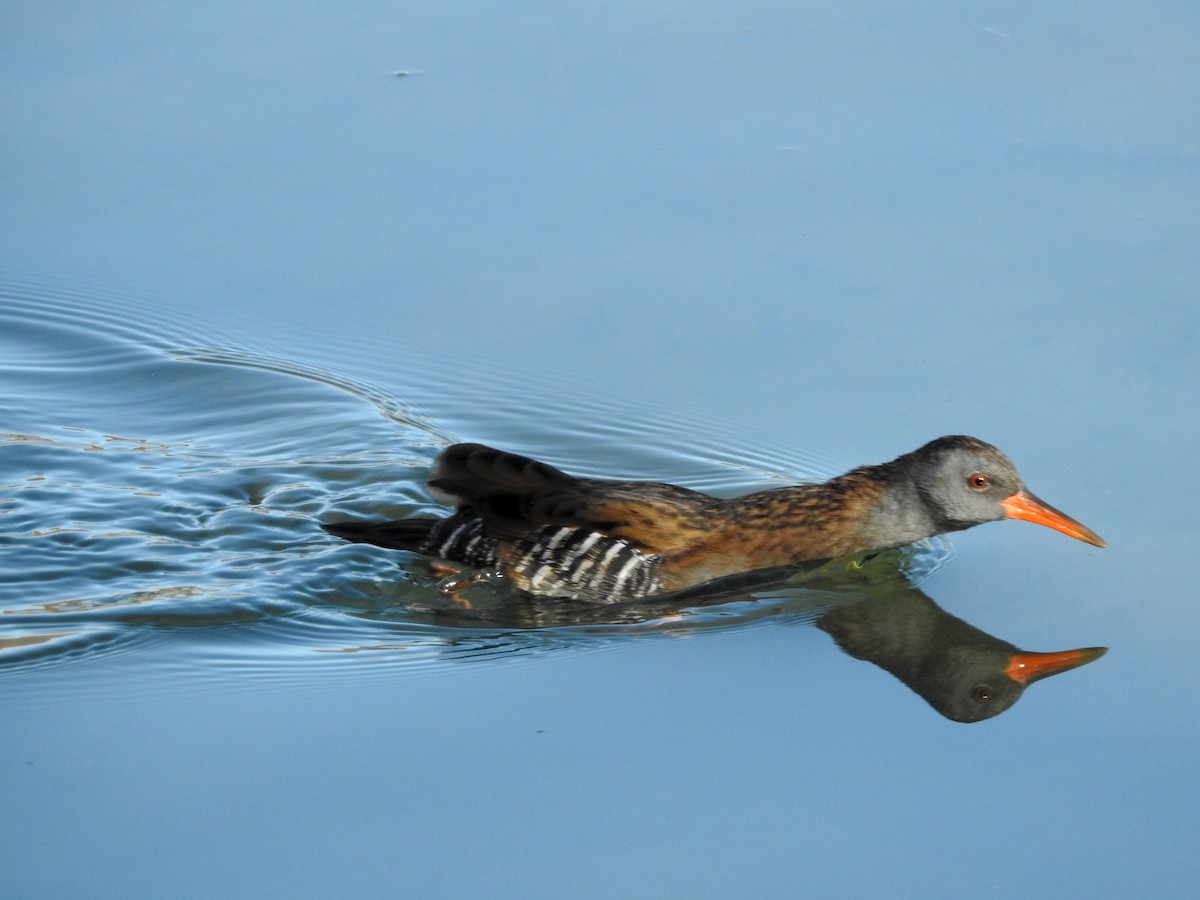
[[463, 474], [404, 534]]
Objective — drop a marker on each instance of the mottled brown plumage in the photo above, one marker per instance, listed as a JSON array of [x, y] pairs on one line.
[[554, 534]]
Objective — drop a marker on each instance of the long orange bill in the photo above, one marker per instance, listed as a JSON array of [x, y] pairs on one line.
[[1029, 667], [1024, 505]]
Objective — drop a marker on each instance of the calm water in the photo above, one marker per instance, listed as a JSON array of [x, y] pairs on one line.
[[251, 279]]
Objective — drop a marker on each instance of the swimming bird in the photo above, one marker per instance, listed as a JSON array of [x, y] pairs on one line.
[[557, 535]]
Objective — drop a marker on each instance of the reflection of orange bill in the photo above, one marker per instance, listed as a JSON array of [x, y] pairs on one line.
[[1024, 505]]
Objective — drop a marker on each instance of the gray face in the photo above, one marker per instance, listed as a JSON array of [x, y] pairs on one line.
[[965, 480]]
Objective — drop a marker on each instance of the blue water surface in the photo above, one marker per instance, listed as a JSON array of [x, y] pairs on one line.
[[259, 264]]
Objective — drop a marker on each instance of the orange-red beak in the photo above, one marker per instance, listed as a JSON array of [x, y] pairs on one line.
[[1026, 668], [1024, 505]]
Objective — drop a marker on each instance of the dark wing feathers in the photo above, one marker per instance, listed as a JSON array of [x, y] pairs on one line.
[[656, 518], [515, 495], [511, 515]]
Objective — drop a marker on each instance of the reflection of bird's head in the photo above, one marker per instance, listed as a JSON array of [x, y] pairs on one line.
[[964, 673], [972, 683], [966, 685]]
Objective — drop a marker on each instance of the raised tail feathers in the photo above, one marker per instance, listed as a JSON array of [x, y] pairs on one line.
[[465, 473]]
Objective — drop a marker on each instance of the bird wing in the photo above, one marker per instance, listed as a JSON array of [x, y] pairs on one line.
[[515, 495]]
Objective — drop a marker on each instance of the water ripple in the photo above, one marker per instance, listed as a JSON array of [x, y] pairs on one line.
[[162, 487]]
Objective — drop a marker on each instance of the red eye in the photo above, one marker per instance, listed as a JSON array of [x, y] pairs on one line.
[[979, 482]]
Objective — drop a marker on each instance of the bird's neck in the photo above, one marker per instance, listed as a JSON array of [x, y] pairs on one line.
[[899, 513], [893, 631]]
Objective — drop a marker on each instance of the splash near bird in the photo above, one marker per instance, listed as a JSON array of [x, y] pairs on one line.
[[557, 535]]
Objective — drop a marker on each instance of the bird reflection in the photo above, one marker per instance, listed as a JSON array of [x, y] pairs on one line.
[[964, 673], [869, 608]]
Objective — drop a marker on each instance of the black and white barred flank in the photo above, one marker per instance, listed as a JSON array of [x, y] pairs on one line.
[[459, 538], [583, 565], [573, 563]]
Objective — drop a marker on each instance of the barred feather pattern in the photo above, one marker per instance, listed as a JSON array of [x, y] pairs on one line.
[[461, 538], [579, 564], [555, 561]]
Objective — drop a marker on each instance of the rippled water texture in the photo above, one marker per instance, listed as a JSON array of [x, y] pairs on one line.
[[160, 487], [253, 278]]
